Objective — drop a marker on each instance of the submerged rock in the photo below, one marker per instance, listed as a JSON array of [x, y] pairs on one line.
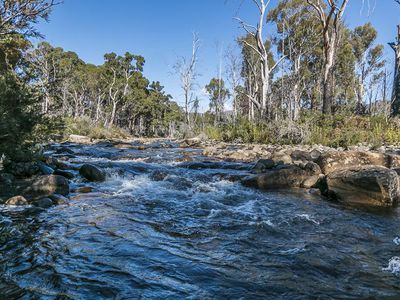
[[17, 200], [92, 173], [58, 199], [64, 173], [43, 203], [371, 185], [158, 175], [83, 190], [45, 169]]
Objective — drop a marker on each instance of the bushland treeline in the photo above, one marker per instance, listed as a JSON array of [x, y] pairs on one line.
[[297, 74]]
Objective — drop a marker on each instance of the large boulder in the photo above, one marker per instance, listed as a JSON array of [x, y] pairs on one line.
[[292, 176], [334, 160], [46, 185], [92, 173], [370, 185]]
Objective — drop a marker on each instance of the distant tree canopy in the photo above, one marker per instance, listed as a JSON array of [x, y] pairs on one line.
[[114, 93], [298, 58]]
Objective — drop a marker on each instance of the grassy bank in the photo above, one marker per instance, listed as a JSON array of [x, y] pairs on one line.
[[85, 126], [333, 131]]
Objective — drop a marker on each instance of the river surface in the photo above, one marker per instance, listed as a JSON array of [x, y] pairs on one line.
[[160, 228]]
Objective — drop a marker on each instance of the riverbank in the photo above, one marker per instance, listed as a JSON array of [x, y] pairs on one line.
[[357, 175]]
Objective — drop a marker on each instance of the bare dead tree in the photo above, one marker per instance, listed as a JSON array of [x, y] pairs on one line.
[[330, 14], [233, 67], [257, 33], [186, 70]]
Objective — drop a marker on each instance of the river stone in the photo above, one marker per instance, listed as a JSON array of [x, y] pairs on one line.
[[45, 169], [58, 199], [17, 200], [46, 185], [332, 161], [6, 178], [66, 174], [371, 185], [286, 177], [92, 173], [63, 150], [158, 175], [43, 203], [282, 158], [262, 165], [300, 155], [394, 160], [83, 189]]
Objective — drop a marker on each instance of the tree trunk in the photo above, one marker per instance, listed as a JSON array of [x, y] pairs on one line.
[[114, 109], [330, 49], [395, 109]]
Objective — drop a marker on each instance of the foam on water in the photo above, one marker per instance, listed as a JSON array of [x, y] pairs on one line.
[[308, 218], [396, 240], [393, 265]]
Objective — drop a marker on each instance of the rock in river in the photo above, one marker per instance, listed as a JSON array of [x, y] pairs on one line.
[[371, 185], [43, 203], [17, 200], [334, 160], [92, 173], [46, 185], [286, 177]]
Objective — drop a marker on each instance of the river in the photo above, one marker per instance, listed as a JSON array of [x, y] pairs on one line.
[[159, 228]]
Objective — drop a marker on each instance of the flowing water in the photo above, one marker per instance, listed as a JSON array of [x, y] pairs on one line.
[[162, 229]]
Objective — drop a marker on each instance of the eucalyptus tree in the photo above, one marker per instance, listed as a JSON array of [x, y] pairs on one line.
[[251, 72], [369, 58], [218, 94], [298, 41], [53, 70], [186, 69], [119, 71], [20, 16], [330, 14], [257, 43], [233, 68]]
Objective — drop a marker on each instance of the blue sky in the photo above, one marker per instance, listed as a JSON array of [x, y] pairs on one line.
[[161, 30]]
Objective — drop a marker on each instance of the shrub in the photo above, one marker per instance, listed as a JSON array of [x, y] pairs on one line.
[[341, 130]]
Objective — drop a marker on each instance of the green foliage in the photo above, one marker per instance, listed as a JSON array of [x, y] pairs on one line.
[[22, 125], [342, 130]]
